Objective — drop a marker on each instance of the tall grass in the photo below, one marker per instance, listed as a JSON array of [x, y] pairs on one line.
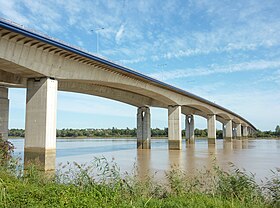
[[272, 188], [101, 184]]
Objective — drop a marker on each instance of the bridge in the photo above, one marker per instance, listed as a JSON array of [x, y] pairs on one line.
[[44, 65]]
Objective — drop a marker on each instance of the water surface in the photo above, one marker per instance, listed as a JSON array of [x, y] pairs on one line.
[[256, 156]]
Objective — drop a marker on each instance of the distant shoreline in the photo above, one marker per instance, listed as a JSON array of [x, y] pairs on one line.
[[131, 137]]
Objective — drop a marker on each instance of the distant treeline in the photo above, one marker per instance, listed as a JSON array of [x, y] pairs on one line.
[[110, 132], [115, 132], [275, 133]]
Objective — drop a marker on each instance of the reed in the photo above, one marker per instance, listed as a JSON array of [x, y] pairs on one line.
[[101, 184]]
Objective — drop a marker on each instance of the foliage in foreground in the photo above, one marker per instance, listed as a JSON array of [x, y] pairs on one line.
[[100, 184]]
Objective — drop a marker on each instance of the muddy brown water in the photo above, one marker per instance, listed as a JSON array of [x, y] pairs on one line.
[[256, 156]]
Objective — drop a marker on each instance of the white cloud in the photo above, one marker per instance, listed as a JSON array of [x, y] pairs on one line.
[[119, 34], [132, 61], [215, 69], [272, 78], [8, 9]]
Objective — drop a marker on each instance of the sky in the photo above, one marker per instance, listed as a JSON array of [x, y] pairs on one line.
[[225, 51]]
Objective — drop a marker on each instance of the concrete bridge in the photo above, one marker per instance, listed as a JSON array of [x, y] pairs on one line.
[[44, 65]]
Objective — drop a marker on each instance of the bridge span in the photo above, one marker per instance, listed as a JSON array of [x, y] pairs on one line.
[[44, 65]]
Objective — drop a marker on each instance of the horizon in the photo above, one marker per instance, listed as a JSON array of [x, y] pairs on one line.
[[228, 57]]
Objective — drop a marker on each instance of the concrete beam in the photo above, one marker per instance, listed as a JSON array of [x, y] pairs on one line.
[[4, 112], [8, 78], [131, 98], [174, 128], [211, 125], [190, 129], [143, 128], [228, 132], [40, 125], [238, 131]]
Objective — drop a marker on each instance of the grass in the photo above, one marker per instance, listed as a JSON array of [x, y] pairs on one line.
[[100, 184]]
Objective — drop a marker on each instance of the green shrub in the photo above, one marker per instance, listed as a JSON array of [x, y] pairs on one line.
[[6, 151]]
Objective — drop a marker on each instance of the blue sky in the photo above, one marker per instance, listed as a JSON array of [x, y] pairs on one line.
[[225, 51]]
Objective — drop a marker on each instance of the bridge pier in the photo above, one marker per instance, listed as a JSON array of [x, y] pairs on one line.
[[238, 131], [4, 112], [143, 128], [40, 125], [233, 132], [245, 132], [174, 128], [229, 131], [190, 129], [211, 127], [250, 132]]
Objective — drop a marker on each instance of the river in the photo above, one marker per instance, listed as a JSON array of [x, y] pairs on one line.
[[256, 156]]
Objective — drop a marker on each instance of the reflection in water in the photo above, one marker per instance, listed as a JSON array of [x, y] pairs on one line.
[[143, 162], [237, 144], [212, 156], [245, 144], [175, 160], [227, 147], [212, 149], [256, 156], [190, 162]]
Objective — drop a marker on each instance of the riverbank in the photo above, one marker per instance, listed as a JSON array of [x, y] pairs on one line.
[[100, 185]]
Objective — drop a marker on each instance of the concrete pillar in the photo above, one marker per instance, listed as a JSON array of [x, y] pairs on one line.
[[143, 128], [211, 125], [238, 131], [229, 132], [40, 124], [233, 133], [224, 130], [249, 131], [245, 132], [174, 128], [4, 112], [190, 129]]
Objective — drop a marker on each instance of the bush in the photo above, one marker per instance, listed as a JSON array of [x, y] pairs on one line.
[[6, 151]]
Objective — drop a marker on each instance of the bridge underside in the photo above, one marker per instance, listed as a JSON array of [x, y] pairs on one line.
[[41, 111], [41, 115], [42, 67]]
